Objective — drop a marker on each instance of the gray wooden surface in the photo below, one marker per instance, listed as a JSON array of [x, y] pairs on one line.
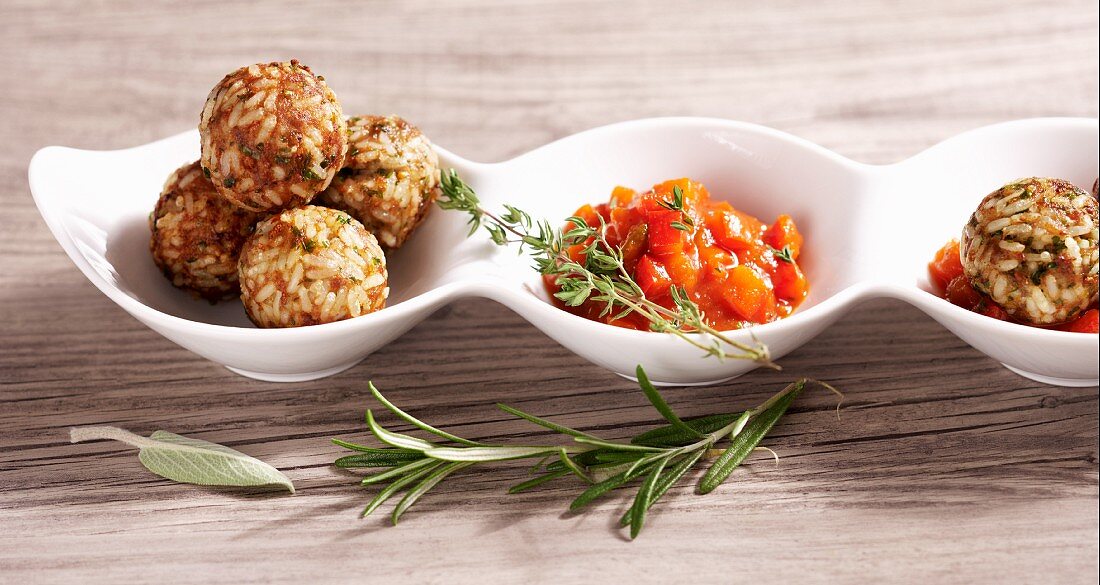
[[951, 469]]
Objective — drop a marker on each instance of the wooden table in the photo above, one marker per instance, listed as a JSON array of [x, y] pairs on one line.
[[944, 467]]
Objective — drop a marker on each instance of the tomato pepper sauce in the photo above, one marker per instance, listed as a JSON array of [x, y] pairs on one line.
[[946, 273], [738, 270]]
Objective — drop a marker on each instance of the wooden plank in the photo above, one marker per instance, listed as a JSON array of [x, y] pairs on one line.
[[943, 467]]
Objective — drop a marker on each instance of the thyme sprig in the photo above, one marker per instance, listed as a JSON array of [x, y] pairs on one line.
[[602, 276], [659, 458]]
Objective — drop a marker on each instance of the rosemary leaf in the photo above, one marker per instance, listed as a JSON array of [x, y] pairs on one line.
[[744, 442], [599, 489], [395, 487], [543, 422], [667, 481], [365, 449], [537, 481], [396, 439], [615, 446], [659, 403], [416, 422], [422, 488], [384, 459], [398, 471], [490, 453], [572, 466], [641, 499], [672, 436]]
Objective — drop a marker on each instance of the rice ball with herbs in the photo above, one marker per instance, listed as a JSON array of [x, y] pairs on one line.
[[390, 178], [273, 136], [197, 235], [311, 265], [1032, 247]]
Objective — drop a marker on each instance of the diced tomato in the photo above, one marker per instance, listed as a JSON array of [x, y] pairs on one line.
[[946, 266], [663, 238], [784, 234], [634, 245], [789, 283], [684, 270], [714, 258], [747, 292], [1086, 323], [991, 310], [961, 293], [652, 277], [737, 231], [588, 214], [622, 196]]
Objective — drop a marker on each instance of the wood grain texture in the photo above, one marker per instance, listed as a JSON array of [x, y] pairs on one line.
[[944, 467]]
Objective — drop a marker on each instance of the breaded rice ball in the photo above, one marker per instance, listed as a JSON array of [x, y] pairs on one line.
[[197, 235], [1032, 247], [390, 179], [273, 136], [311, 265]]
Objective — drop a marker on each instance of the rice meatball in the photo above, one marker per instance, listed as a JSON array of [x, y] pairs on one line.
[[311, 265], [197, 235], [1032, 247], [390, 179], [273, 136]]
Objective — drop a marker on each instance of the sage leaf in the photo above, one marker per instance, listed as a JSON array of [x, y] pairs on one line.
[[188, 460]]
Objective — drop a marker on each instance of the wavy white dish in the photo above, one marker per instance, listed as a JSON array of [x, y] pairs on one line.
[[870, 232]]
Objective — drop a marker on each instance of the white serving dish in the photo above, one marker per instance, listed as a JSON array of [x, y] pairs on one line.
[[870, 232]]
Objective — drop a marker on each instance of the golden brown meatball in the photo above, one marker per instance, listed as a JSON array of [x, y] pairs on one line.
[[390, 179], [273, 136], [311, 265], [197, 235], [1032, 247]]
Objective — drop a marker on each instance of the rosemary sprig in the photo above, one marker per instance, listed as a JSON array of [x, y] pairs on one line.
[[659, 458], [602, 276]]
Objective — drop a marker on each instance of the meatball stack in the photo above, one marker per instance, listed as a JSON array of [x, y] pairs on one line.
[[239, 220], [1032, 246]]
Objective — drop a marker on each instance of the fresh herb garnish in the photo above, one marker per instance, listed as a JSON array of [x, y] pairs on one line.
[[677, 204], [189, 460], [601, 277], [784, 254], [659, 457]]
